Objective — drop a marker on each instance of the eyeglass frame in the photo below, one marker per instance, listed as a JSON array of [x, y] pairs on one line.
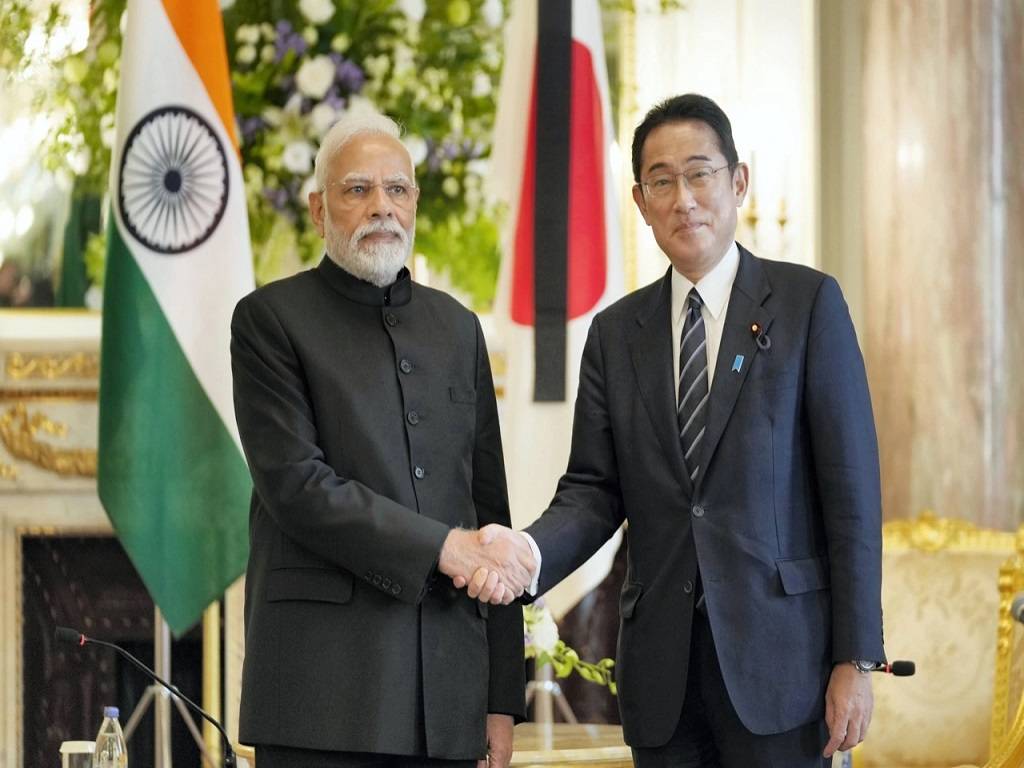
[[373, 185], [645, 185]]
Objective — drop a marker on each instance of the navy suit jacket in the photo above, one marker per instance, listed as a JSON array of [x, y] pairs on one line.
[[783, 520]]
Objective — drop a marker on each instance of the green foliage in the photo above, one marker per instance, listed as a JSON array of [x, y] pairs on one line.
[[542, 644]]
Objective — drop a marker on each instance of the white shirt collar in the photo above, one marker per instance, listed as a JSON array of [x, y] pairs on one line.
[[714, 287]]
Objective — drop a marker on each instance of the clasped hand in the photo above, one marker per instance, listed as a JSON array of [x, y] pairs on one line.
[[495, 563]]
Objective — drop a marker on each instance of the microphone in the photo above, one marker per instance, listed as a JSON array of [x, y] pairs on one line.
[[897, 668], [1017, 608], [68, 635]]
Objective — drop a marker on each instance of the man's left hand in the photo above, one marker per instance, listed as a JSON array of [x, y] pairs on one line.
[[499, 742], [848, 705]]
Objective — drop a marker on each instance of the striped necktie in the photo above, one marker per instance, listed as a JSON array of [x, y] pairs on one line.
[[691, 411]]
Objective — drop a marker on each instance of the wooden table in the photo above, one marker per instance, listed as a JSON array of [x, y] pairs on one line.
[[540, 745], [561, 745]]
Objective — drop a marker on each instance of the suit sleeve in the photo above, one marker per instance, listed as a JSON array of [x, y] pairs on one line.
[[340, 520], [587, 508], [845, 451], [507, 682]]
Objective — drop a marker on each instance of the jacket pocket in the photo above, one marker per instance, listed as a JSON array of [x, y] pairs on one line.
[[314, 584], [631, 592], [804, 574], [462, 395]]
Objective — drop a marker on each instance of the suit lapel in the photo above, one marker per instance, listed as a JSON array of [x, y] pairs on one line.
[[749, 291], [650, 347]]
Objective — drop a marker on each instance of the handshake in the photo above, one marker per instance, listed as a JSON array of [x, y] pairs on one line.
[[495, 564]]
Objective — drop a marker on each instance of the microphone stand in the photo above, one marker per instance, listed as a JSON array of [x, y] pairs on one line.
[[163, 693]]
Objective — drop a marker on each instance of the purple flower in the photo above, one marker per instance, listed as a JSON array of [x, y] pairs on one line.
[[350, 76], [277, 198], [251, 126]]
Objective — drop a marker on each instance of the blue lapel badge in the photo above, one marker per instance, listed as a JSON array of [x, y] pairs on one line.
[[737, 364]]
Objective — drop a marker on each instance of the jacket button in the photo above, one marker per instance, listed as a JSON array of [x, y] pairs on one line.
[[413, 418], [688, 587], [419, 473], [391, 319], [386, 582], [698, 511], [396, 589], [405, 366]]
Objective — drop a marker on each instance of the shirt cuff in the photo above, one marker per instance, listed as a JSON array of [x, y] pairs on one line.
[[534, 584]]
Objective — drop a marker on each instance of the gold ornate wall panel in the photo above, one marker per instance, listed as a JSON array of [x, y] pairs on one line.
[[943, 207], [49, 377]]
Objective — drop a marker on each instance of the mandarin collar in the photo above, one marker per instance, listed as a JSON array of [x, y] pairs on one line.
[[362, 292]]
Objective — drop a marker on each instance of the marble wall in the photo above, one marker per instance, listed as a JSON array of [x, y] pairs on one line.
[[943, 272]]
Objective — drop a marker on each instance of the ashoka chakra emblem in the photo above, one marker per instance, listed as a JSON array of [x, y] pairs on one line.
[[174, 180]]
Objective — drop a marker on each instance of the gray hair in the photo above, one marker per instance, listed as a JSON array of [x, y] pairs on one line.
[[350, 125]]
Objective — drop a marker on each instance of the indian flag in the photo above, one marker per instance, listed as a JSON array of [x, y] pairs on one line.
[[172, 476]]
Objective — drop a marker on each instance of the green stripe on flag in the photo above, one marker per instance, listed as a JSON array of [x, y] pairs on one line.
[[171, 478]]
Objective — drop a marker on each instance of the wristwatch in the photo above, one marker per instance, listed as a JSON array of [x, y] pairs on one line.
[[864, 666]]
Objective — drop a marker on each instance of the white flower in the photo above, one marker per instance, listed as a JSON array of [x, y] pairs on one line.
[[107, 132], [481, 84], [246, 54], [315, 76], [360, 105], [267, 53], [413, 9], [544, 634], [322, 117], [404, 58], [478, 167], [308, 187], [225, 4], [272, 116], [340, 43], [417, 148], [450, 186], [492, 13], [310, 36], [298, 157], [248, 33], [268, 31], [317, 11], [376, 66]]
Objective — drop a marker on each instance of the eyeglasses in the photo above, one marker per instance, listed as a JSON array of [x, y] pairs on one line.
[[663, 185], [356, 193]]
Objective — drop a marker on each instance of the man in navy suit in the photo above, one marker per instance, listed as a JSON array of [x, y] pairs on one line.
[[724, 412]]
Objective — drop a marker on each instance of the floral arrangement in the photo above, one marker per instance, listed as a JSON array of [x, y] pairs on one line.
[[432, 65], [542, 644]]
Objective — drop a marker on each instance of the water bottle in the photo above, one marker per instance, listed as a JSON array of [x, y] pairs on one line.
[[110, 751]]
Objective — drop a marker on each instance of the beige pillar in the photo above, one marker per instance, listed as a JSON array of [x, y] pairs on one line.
[[942, 316]]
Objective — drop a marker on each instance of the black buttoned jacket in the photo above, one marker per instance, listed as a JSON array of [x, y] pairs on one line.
[[369, 423]]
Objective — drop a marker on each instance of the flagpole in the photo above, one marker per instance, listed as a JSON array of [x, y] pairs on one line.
[[627, 120], [162, 708], [211, 678]]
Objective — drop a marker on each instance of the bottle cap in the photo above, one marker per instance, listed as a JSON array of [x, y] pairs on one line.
[[111, 712]]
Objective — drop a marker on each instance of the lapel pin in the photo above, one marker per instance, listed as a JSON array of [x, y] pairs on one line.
[[760, 336], [737, 364]]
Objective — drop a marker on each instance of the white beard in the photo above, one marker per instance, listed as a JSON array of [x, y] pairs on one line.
[[376, 263]]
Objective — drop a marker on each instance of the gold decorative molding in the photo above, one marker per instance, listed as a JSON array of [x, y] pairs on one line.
[[18, 433], [930, 533], [73, 365], [48, 394]]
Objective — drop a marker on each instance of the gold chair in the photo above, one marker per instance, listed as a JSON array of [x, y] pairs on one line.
[[941, 610], [1007, 737]]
